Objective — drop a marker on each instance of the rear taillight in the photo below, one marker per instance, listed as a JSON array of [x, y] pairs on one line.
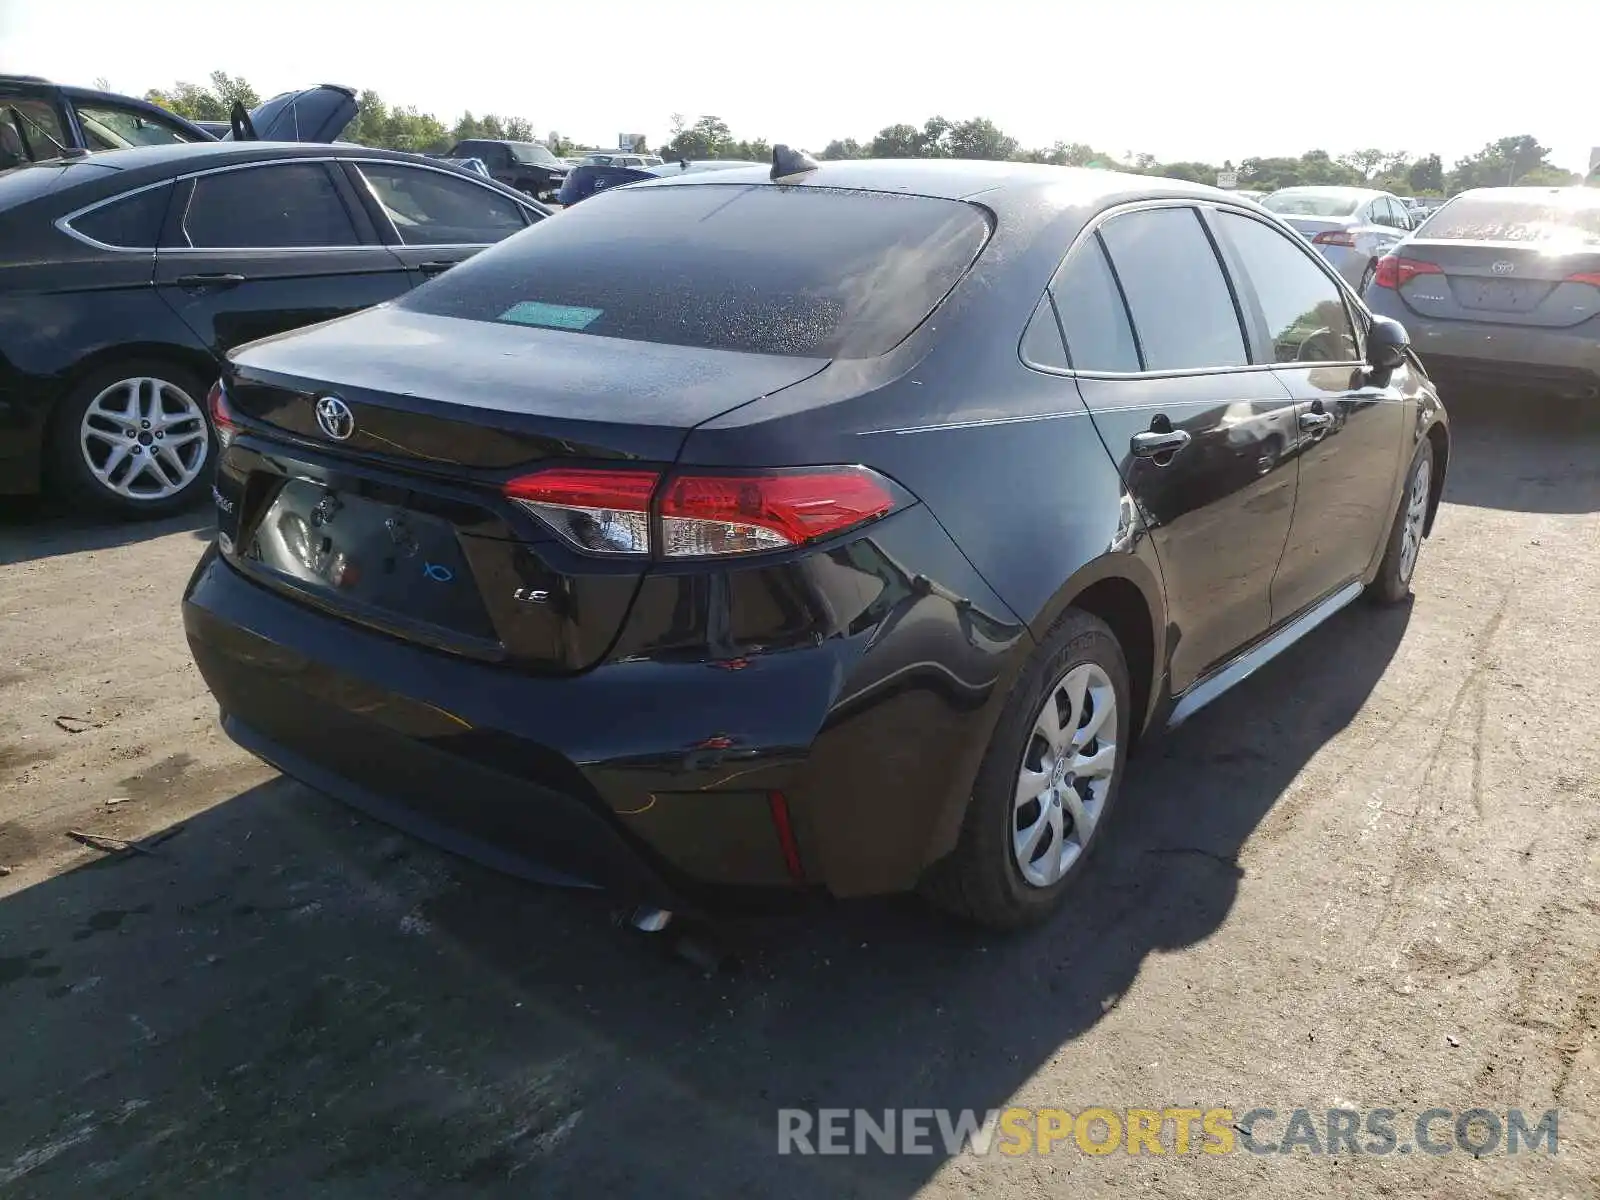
[[221, 415], [702, 515], [1592, 278], [1334, 237], [1394, 271], [605, 512], [735, 514]]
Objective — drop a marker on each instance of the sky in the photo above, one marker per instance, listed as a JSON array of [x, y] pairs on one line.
[[1205, 80]]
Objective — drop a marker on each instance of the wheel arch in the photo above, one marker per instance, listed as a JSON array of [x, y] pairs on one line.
[[1124, 590]]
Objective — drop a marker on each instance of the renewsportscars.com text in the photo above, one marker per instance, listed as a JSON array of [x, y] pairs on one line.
[[1214, 1131]]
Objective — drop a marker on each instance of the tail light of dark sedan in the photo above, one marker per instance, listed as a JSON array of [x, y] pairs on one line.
[[1394, 271], [702, 514], [221, 415]]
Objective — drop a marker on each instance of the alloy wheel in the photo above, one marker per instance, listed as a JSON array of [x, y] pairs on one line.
[[144, 438], [1066, 775], [1416, 515]]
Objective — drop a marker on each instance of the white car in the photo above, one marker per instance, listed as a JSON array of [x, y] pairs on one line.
[[1352, 227]]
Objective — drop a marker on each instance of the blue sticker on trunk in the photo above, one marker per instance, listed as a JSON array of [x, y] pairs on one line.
[[551, 316]]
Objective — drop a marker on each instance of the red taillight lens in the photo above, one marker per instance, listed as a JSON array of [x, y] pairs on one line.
[[221, 415], [1394, 271], [605, 512], [702, 515], [1592, 278], [1334, 237], [737, 514]]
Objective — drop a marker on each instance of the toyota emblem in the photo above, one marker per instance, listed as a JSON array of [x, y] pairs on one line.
[[1503, 267], [335, 418]]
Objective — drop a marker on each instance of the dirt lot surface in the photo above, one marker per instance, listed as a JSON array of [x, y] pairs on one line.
[[1370, 877]]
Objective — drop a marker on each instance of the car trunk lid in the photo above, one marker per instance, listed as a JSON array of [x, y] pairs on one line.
[[392, 511], [1512, 283]]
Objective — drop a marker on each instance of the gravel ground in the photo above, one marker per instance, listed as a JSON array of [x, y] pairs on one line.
[[1368, 878]]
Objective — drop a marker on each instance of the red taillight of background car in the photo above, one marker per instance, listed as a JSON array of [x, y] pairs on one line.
[[1394, 271], [703, 515], [1592, 278], [1334, 237], [221, 415]]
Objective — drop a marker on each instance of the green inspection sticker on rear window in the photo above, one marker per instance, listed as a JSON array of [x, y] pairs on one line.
[[551, 316]]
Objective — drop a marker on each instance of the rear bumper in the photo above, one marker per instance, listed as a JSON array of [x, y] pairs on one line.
[[1506, 356], [651, 777]]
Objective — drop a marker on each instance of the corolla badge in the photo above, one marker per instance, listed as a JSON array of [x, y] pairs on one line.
[[1503, 267], [335, 418]]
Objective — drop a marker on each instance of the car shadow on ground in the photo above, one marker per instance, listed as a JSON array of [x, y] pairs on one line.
[[284, 993], [1524, 453], [33, 527]]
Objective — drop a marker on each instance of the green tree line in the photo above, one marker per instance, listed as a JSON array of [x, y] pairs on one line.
[[1518, 159]]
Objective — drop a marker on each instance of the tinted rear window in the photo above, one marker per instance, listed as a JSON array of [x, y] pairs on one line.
[[1490, 219], [812, 272], [1310, 204]]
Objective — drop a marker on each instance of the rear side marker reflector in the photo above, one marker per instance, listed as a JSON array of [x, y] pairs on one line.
[[702, 515], [778, 805]]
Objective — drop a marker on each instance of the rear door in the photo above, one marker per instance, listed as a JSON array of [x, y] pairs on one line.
[[1349, 428], [434, 218], [261, 249], [1203, 438]]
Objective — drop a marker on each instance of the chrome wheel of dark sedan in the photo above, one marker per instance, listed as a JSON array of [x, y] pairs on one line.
[[144, 438]]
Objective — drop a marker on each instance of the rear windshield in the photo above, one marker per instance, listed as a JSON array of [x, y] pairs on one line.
[[1491, 219], [811, 272], [1310, 204]]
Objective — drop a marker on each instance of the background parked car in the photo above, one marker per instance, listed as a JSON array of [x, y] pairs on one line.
[[1501, 287], [527, 166], [1352, 227], [126, 276], [42, 120], [588, 178], [622, 158]]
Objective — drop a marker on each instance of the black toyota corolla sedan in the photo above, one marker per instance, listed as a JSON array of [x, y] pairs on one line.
[[730, 536]]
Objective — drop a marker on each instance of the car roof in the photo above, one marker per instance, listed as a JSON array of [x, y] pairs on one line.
[[1333, 189], [1582, 196], [201, 154], [955, 179]]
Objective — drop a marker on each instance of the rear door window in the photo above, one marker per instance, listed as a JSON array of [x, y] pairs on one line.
[[1099, 337], [285, 205], [113, 127], [430, 208], [811, 272], [30, 131], [1182, 310]]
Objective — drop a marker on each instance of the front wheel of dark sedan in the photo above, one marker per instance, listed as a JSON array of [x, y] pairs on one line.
[[134, 440], [1393, 581], [1048, 783]]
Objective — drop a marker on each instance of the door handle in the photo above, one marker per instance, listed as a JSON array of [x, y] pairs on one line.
[[1156, 443], [1315, 420], [433, 268], [209, 281]]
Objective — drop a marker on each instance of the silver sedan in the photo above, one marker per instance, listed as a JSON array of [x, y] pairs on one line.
[[1352, 227]]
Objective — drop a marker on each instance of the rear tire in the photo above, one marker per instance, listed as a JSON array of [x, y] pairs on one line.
[[1393, 582], [1366, 278], [133, 440], [1048, 784]]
